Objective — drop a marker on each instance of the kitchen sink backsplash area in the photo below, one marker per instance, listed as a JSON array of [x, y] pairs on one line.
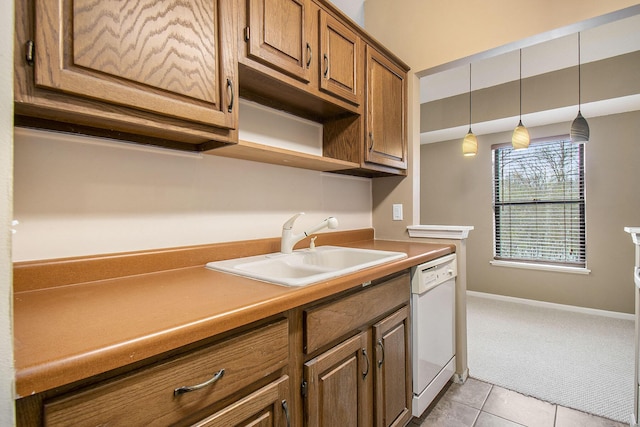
[[76, 196]]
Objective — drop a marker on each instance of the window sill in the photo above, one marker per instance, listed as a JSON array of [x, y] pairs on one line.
[[543, 267]]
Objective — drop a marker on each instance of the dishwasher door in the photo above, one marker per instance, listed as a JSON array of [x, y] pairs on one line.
[[433, 323]]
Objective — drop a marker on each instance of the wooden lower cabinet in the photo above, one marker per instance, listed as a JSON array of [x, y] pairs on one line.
[[336, 384], [393, 374], [188, 387], [341, 361], [267, 407], [363, 380]]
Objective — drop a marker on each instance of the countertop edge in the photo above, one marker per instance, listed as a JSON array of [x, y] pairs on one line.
[[47, 374]]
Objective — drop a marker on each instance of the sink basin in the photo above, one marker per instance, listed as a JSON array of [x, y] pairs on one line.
[[306, 266]]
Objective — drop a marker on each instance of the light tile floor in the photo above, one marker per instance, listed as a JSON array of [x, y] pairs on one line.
[[479, 404]]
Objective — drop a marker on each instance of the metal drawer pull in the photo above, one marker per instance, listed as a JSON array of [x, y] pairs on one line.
[[285, 406], [326, 65], [187, 389], [381, 361], [310, 55], [366, 357], [231, 96]]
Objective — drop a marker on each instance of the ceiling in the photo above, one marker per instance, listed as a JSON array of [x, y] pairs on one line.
[[611, 39]]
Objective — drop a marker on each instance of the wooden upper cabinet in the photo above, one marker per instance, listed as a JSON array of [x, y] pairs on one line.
[[385, 130], [340, 60], [173, 58], [277, 35]]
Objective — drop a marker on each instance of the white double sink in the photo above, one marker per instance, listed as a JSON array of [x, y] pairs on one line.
[[306, 266]]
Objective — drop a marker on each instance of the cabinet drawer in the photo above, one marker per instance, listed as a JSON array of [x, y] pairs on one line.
[[265, 407], [328, 322], [147, 397]]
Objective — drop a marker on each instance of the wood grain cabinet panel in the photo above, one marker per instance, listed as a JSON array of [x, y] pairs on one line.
[[149, 397], [267, 407], [393, 374], [337, 382], [385, 130], [160, 73], [164, 57], [331, 321], [277, 35], [364, 379], [341, 59]]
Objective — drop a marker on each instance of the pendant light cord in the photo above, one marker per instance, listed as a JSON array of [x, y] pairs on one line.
[[579, 77], [521, 85], [469, 97]]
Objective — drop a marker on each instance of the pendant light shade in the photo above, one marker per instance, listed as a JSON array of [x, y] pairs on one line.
[[470, 142], [520, 138], [579, 127]]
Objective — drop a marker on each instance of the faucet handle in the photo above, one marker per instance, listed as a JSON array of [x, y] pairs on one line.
[[289, 224]]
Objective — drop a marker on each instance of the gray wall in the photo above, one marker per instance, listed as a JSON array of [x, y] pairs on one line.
[[458, 190]]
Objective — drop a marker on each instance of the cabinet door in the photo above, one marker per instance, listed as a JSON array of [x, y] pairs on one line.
[[266, 407], [337, 382], [393, 370], [386, 139], [174, 58], [277, 35], [340, 59]]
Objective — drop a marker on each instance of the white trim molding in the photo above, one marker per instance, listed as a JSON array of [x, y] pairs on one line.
[[542, 267], [454, 232], [565, 307]]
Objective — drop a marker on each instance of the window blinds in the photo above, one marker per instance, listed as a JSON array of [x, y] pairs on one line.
[[539, 203]]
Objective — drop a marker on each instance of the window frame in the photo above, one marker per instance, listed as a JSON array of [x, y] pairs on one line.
[[531, 263]]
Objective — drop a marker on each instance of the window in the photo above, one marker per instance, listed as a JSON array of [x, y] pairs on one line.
[[539, 204]]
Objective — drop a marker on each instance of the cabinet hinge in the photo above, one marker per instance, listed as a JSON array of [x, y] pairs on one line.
[[247, 33], [30, 52], [304, 389]]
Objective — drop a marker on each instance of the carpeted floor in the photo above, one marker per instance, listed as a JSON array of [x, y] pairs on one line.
[[577, 360]]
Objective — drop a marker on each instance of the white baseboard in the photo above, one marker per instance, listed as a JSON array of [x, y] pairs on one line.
[[574, 308]]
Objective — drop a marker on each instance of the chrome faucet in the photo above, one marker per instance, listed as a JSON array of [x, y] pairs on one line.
[[289, 239]]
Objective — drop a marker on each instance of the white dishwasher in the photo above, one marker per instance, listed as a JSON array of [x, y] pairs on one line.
[[433, 333]]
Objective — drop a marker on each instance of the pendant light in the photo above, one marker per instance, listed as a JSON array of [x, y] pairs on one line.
[[470, 142], [520, 138], [579, 127]]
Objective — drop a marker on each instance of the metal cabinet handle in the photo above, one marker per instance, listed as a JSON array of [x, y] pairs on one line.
[[310, 55], [231, 95], [30, 53], [187, 389], [326, 65], [366, 357], [285, 407], [381, 361], [371, 139]]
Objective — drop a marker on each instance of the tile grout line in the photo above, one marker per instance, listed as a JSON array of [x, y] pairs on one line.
[[484, 402]]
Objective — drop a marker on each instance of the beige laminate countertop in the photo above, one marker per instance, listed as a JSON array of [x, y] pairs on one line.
[[67, 333]]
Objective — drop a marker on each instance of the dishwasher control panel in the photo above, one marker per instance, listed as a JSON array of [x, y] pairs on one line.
[[426, 276]]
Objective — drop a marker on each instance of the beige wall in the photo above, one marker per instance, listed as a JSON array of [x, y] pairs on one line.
[[427, 34], [78, 196], [463, 195], [611, 78]]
